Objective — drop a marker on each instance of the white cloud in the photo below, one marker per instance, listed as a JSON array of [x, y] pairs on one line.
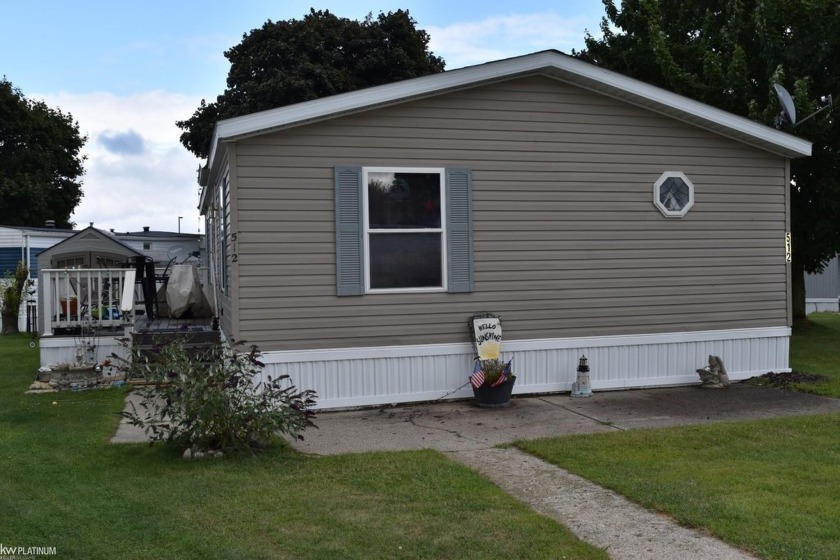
[[497, 37], [124, 190]]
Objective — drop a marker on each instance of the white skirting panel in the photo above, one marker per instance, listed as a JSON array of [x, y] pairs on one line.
[[62, 349], [814, 305], [351, 377]]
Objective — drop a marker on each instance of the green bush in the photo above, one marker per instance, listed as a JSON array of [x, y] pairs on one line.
[[11, 296], [213, 399]]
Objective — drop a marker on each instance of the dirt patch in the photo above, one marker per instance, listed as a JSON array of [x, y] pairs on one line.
[[785, 380]]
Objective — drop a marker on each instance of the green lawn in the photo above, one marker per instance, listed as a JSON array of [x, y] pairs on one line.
[[815, 348], [772, 487], [63, 485]]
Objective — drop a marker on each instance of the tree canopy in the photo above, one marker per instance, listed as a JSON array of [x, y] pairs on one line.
[[292, 61], [40, 163], [729, 53]]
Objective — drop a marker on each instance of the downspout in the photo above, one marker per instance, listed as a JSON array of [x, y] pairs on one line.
[[26, 260]]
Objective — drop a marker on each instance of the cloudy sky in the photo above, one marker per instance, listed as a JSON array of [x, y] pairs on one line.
[[127, 71]]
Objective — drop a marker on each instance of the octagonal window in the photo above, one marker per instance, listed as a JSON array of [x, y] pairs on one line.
[[673, 194]]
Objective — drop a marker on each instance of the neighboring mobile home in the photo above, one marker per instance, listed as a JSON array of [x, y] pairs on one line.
[[95, 289], [352, 237], [822, 291], [25, 244]]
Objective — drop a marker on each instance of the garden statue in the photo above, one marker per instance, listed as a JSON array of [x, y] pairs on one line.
[[713, 376]]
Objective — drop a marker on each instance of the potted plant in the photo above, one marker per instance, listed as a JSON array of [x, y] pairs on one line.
[[492, 382], [104, 313], [70, 304]]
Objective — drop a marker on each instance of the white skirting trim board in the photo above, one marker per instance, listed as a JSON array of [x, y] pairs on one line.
[[350, 377]]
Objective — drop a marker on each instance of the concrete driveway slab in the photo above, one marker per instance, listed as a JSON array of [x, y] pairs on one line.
[[462, 426]]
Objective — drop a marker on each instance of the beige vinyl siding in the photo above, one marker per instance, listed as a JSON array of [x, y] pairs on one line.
[[226, 312], [567, 241]]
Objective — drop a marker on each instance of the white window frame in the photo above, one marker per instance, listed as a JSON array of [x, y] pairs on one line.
[[665, 211], [367, 232]]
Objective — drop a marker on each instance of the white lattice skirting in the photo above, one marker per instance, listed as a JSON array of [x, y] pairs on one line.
[[352, 377]]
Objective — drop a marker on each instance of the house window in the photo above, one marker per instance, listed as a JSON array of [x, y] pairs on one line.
[[108, 262], [404, 229], [147, 246], [70, 262], [673, 194]]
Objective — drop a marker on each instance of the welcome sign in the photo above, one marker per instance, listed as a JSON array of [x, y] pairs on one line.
[[487, 336]]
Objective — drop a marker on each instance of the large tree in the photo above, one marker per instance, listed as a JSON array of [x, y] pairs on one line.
[[299, 60], [729, 53], [40, 163]]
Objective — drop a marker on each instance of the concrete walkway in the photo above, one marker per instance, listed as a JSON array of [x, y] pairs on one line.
[[594, 514], [469, 434]]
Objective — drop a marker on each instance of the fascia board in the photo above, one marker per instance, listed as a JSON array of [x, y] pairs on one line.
[[398, 92], [678, 106], [552, 63]]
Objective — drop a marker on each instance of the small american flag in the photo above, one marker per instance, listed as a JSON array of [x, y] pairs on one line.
[[505, 374], [477, 377]]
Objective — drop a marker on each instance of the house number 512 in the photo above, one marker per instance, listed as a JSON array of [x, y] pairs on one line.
[[787, 247]]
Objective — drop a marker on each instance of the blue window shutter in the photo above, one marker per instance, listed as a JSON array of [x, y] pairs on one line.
[[9, 257], [33, 260], [348, 231], [459, 229]]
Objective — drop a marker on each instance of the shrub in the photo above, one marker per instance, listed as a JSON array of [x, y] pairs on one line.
[[11, 296], [213, 399]]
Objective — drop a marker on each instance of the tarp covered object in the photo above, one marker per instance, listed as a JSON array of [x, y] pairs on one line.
[[184, 293]]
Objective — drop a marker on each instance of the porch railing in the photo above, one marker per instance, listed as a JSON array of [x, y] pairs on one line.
[[86, 297]]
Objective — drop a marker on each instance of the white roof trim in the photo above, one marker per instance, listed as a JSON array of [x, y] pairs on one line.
[[550, 63]]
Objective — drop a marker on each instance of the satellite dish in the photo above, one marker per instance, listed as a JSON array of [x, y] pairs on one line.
[[788, 114], [177, 252]]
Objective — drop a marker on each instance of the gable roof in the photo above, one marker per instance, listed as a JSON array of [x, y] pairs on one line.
[[89, 234], [549, 63]]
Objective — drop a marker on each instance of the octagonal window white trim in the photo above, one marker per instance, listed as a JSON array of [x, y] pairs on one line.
[[673, 194]]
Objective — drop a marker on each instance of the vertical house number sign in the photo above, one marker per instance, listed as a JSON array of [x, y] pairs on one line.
[[787, 247]]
